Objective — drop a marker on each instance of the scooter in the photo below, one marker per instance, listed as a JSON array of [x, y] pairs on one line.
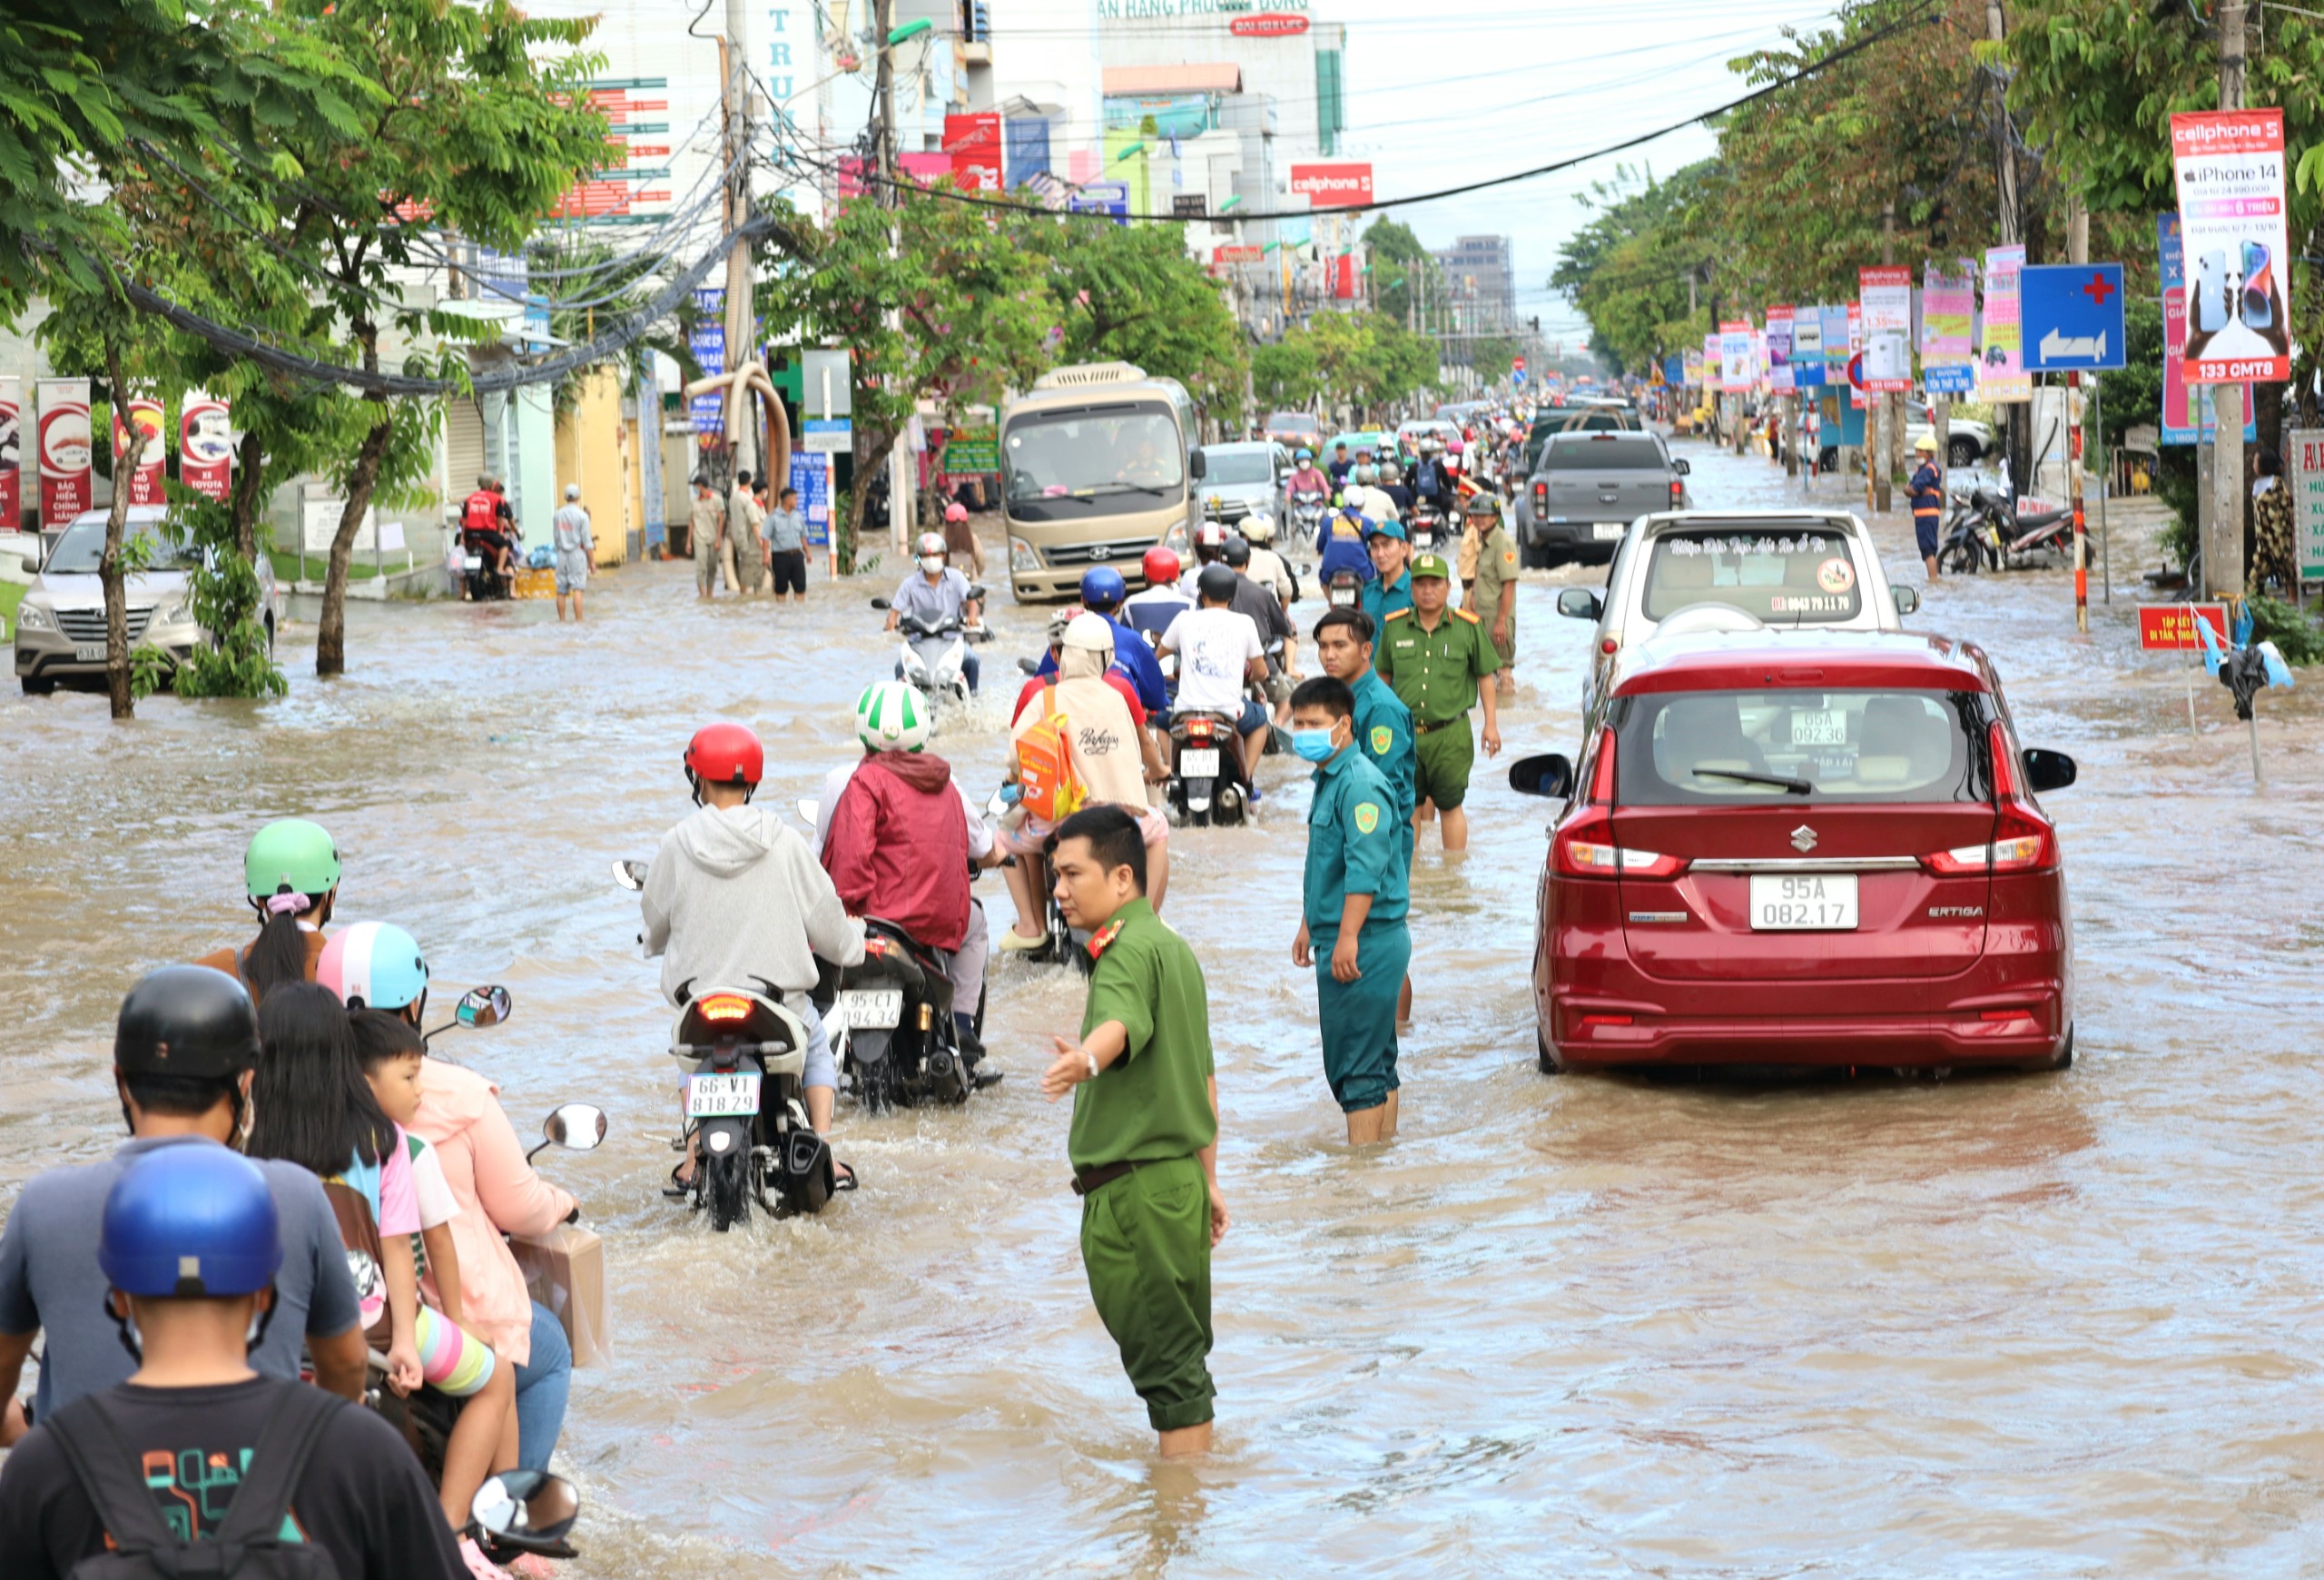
[[1344, 591], [934, 653], [746, 1115], [1307, 507], [1205, 784], [1425, 526], [1987, 530], [1065, 941]]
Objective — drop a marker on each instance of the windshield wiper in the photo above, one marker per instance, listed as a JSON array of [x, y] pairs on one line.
[[1796, 786], [1097, 490]]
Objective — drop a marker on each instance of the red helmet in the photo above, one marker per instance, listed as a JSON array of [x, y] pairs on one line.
[[1160, 564], [725, 754], [956, 511]]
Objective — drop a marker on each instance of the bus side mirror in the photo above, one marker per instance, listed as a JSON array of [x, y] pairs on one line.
[[1195, 467]]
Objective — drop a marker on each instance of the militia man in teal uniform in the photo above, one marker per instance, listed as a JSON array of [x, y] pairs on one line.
[[1144, 1144], [1351, 920], [1383, 730], [1440, 661], [1390, 588]]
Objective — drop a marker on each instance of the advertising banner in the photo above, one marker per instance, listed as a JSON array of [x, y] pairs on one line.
[[811, 474], [1693, 369], [1886, 296], [1714, 375], [1806, 348], [205, 445], [708, 342], [1854, 361], [1948, 311], [974, 143], [2304, 447], [2184, 422], [12, 452], [2002, 377], [1333, 186], [1735, 356], [140, 439], [1780, 348], [64, 449], [2230, 166]]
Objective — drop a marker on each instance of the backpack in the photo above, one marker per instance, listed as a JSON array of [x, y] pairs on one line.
[[249, 1546], [1053, 787], [482, 513]]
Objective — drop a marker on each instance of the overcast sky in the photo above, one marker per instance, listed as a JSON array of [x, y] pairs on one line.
[[1438, 96]]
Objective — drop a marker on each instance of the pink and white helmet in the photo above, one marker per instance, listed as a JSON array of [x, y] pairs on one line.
[[373, 966]]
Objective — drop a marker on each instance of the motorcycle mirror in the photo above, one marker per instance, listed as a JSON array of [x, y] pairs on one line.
[[878, 603], [529, 1510], [484, 1006], [630, 875], [1029, 666], [577, 1127]]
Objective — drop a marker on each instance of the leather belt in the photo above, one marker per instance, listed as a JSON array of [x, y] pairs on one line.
[[1087, 1181], [1425, 727]]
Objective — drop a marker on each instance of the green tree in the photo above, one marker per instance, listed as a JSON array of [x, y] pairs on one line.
[[1628, 270], [1131, 293], [1285, 375], [1402, 271]]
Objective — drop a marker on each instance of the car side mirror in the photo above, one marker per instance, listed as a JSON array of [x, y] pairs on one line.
[[1197, 467], [1907, 600], [1578, 603], [482, 1007], [1548, 775], [2047, 770], [1680, 467]]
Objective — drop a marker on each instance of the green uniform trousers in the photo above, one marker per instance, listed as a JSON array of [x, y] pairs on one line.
[[1146, 1245], [1440, 762], [1358, 1019]]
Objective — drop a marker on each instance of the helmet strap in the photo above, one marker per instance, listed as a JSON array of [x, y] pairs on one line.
[[693, 783]]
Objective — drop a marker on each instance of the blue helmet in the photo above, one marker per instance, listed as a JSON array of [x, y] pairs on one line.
[[1102, 588], [1305, 454], [373, 966], [190, 1221]]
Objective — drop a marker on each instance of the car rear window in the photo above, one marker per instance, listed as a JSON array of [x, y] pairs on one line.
[[1716, 749], [1604, 452], [1791, 577]]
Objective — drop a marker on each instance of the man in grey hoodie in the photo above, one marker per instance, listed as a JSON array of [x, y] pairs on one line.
[[735, 895]]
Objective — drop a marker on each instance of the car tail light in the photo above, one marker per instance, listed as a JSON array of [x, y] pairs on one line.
[[1584, 847], [2023, 840], [1677, 492], [1540, 500]]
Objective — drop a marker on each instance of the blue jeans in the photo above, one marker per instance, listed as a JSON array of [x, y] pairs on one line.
[[542, 1384]]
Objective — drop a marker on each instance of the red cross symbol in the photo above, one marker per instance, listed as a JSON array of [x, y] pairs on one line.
[[2098, 290]]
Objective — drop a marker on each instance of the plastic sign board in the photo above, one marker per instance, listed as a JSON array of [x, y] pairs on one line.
[[2230, 166], [827, 435], [1949, 378], [2183, 422], [2170, 627], [1886, 296], [1807, 348], [708, 342], [1243, 254], [205, 445], [1735, 355], [1268, 25], [1948, 313], [1779, 347], [11, 451], [65, 449], [2071, 316], [1333, 186], [2001, 378], [2304, 447]]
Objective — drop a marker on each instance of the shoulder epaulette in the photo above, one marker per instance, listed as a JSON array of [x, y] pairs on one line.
[[1468, 616], [1103, 938], [1394, 615]]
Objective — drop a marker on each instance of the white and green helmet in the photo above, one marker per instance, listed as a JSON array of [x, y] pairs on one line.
[[892, 717]]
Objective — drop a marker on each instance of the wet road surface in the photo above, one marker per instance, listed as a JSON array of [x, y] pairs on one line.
[[2023, 1326]]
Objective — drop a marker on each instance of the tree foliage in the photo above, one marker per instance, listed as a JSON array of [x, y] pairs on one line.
[[1626, 270]]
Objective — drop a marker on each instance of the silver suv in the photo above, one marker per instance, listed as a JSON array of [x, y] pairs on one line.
[[61, 625]]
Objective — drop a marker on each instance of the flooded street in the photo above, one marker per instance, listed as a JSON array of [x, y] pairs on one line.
[[2030, 1326]]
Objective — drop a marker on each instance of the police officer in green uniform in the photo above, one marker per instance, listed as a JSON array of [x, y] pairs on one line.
[[1390, 588], [1144, 1144], [1440, 661], [1492, 593], [1352, 918]]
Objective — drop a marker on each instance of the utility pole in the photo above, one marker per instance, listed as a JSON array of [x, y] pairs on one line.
[[883, 159], [2018, 414], [1882, 450], [2223, 556], [740, 319]]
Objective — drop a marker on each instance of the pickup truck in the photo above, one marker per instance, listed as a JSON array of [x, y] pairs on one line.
[[1587, 488]]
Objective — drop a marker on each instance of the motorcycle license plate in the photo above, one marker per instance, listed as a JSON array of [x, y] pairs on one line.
[[476, 562], [722, 1096], [1198, 763], [1341, 600], [88, 652], [877, 1008], [1605, 531], [1802, 903]]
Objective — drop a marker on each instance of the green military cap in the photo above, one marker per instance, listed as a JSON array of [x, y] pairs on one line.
[[1428, 565]]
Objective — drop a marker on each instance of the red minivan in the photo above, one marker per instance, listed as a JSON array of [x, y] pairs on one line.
[[1802, 850]]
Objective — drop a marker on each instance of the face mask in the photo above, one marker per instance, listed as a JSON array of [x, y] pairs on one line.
[[932, 563], [1312, 746]]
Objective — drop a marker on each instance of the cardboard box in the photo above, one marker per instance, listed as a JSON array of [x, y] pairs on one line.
[[565, 1269]]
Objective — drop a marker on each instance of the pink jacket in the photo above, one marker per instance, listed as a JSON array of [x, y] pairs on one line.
[[484, 1163]]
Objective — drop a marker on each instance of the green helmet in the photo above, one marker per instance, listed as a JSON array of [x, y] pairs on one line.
[[892, 717], [294, 855]]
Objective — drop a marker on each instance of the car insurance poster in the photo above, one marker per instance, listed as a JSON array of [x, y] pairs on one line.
[[205, 445], [2230, 166], [140, 439], [64, 449], [1736, 355], [12, 452]]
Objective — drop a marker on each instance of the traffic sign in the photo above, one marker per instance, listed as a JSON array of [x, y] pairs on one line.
[[1517, 364], [2071, 315], [1517, 377], [2170, 627]]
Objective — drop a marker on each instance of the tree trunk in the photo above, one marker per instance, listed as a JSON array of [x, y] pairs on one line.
[[109, 568], [362, 478], [243, 502]]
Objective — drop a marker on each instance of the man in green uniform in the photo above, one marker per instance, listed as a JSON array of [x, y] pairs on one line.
[[1493, 591], [1145, 1139], [1442, 663], [1391, 590], [1351, 914]]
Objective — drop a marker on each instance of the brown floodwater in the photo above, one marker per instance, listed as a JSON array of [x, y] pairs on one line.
[[2025, 1325]]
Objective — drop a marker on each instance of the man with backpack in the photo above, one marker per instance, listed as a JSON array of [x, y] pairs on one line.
[[197, 1463]]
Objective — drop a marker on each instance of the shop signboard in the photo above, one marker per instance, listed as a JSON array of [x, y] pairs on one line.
[[973, 141], [2306, 446], [1333, 185], [1780, 348], [2229, 166]]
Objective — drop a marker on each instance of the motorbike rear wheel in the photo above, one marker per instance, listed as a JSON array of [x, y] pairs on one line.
[[726, 1186]]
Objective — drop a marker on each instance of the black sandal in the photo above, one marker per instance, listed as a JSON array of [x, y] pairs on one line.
[[842, 1177], [677, 1190]]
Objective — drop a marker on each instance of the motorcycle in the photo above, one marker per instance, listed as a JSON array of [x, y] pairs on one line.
[[1425, 526], [747, 1116], [935, 654], [1207, 784], [1307, 508], [1987, 530], [1065, 941], [481, 567], [890, 1020], [1344, 591]]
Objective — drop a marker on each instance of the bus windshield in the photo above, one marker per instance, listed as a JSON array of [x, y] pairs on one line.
[[1070, 464]]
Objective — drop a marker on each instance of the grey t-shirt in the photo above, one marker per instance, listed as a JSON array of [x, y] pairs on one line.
[[570, 526], [50, 1280], [785, 531]]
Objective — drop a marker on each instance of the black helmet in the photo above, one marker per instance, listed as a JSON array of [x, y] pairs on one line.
[[1237, 552], [186, 1021], [1217, 581]]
